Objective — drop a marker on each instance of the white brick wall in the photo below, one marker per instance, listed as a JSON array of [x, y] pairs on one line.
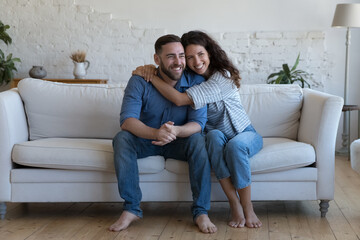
[[46, 32]]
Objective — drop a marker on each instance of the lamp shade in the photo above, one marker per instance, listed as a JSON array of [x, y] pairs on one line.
[[347, 15]]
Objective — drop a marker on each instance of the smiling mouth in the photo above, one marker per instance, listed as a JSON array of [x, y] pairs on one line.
[[177, 68], [199, 67]]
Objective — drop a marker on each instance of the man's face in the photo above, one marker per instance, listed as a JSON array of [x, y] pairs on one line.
[[171, 60]]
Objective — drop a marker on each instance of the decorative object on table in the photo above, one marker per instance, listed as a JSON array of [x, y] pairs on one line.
[[80, 64], [346, 15], [37, 72], [7, 64], [289, 76]]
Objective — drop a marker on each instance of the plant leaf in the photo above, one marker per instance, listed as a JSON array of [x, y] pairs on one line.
[[296, 62], [274, 74], [9, 57], [279, 79], [2, 55], [286, 70]]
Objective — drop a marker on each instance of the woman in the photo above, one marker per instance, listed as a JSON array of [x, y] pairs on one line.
[[231, 140]]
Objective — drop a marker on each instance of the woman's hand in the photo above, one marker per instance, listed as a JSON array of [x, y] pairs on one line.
[[146, 71]]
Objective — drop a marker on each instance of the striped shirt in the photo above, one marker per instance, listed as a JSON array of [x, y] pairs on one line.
[[225, 111]]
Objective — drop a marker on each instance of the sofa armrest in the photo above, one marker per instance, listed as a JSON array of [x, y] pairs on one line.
[[319, 122], [14, 129]]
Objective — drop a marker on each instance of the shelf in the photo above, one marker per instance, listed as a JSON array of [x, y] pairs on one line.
[[15, 81]]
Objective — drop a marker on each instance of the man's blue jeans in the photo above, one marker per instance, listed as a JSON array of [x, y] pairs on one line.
[[230, 158], [128, 148]]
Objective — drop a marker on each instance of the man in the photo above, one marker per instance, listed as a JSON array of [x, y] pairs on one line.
[[151, 125]]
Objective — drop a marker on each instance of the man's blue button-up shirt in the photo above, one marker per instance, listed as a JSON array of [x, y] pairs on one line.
[[142, 101]]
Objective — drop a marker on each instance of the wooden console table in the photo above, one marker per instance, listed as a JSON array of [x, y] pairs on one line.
[[349, 108], [15, 81]]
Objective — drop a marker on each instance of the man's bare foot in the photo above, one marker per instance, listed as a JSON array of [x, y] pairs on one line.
[[204, 224], [125, 219], [252, 221], [237, 215]]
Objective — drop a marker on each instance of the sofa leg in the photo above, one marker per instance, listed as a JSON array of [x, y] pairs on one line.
[[324, 206], [2, 210]]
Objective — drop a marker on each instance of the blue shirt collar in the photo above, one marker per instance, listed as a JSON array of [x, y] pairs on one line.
[[181, 83]]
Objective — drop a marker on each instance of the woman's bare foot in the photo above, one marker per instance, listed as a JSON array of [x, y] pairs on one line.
[[252, 221], [237, 215], [125, 219], [204, 224]]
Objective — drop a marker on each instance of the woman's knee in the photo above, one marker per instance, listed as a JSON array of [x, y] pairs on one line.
[[236, 147], [215, 138], [214, 134]]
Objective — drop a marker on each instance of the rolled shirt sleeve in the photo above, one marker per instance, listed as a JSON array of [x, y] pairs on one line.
[[199, 116], [132, 101]]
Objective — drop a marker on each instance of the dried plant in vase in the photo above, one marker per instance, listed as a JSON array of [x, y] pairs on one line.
[[80, 64], [78, 56]]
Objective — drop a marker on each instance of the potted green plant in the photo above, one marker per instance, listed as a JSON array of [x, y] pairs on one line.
[[7, 63], [289, 76]]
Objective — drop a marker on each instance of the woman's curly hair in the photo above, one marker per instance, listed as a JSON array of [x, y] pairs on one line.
[[219, 61]]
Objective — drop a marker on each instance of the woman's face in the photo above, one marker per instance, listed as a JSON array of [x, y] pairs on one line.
[[197, 59]]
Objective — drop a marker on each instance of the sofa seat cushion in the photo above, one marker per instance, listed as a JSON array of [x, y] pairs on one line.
[[277, 154], [41, 175], [76, 154]]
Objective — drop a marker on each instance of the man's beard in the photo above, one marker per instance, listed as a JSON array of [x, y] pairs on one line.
[[170, 74]]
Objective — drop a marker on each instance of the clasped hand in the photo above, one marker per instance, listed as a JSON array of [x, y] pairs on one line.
[[165, 134]]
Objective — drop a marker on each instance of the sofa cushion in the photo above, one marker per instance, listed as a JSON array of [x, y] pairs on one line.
[[71, 110], [277, 154], [76, 154], [93, 111], [274, 110]]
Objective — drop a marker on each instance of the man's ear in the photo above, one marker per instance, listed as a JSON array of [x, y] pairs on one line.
[[157, 59]]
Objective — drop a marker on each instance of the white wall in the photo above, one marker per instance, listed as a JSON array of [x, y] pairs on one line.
[[227, 15], [266, 33], [252, 15]]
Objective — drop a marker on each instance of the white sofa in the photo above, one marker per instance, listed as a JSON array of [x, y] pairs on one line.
[[55, 146], [355, 155]]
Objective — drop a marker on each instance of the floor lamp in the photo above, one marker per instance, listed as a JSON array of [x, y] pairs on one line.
[[346, 15]]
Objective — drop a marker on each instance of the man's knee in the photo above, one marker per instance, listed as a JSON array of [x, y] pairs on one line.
[[196, 150], [196, 140], [121, 137]]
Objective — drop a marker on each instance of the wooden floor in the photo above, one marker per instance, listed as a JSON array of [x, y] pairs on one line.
[[281, 219]]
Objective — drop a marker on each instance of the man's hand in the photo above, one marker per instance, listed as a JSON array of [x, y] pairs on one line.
[[165, 134]]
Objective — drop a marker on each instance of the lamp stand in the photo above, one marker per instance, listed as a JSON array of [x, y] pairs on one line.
[[344, 150]]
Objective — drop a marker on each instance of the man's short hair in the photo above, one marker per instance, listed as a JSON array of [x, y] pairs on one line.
[[165, 40]]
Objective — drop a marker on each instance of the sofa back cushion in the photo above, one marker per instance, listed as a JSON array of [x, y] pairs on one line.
[[274, 110], [93, 111], [71, 110]]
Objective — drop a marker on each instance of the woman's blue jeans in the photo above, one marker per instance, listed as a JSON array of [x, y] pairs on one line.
[[230, 157], [128, 148]]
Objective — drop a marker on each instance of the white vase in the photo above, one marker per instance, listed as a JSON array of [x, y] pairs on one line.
[[80, 69]]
